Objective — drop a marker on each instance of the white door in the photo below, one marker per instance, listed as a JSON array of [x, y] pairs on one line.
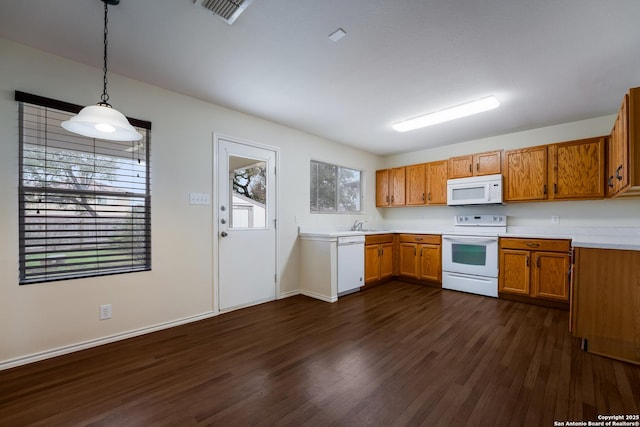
[[246, 224]]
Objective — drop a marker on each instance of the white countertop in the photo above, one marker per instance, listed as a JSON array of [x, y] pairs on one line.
[[623, 238]]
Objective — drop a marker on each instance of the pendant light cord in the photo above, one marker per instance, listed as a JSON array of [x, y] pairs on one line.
[[105, 96]]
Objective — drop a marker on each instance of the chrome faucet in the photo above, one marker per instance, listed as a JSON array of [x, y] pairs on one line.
[[357, 225]]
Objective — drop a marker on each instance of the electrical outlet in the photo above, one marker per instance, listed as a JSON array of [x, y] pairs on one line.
[[105, 311], [199, 199], [555, 220]]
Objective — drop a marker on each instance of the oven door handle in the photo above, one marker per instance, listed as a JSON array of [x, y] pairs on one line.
[[469, 240]]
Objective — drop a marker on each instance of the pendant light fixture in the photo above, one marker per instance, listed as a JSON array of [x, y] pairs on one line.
[[101, 120]]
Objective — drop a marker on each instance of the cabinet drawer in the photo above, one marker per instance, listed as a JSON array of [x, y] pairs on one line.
[[420, 238], [377, 239], [550, 245]]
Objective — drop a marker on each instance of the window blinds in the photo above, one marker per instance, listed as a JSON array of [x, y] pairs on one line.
[[84, 204]]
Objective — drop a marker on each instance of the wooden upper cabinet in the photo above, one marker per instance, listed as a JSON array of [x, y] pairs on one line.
[[437, 182], [460, 167], [390, 187], [416, 185], [525, 174], [618, 152], [577, 169], [383, 198], [488, 163], [426, 184], [397, 185], [623, 168]]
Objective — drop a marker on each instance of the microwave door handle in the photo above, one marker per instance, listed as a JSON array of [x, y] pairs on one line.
[[458, 240]]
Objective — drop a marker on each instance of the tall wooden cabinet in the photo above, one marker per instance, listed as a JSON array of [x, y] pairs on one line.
[[420, 257], [623, 166], [605, 302], [488, 163], [534, 268], [378, 258]]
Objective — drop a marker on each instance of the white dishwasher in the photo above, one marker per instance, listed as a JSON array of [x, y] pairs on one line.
[[350, 264]]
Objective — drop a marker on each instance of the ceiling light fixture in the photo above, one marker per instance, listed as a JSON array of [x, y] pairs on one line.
[[452, 113], [101, 120], [337, 34]]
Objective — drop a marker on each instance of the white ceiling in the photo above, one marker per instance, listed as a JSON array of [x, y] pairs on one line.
[[548, 61]]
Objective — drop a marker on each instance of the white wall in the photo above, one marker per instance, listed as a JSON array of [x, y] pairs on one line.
[[591, 213], [43, 317]]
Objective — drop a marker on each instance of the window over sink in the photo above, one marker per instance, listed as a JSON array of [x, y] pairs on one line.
[[335, 189]]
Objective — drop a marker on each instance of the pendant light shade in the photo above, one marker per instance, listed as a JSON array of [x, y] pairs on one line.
[[101, 120]]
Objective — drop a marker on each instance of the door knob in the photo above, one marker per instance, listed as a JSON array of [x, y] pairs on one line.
[[224, 234]]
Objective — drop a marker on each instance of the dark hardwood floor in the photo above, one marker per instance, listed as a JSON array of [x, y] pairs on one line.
[[396, 355]]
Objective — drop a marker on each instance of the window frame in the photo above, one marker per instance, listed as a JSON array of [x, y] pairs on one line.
[[133, 255], [338, 173]]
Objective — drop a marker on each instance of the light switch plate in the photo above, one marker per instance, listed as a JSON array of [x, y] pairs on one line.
[[199, 199]]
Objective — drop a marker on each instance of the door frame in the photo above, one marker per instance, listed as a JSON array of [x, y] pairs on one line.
[[215, 241]]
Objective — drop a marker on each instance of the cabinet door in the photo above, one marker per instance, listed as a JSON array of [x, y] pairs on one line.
[[416, 183], [437, 182], [514, 271], [397, 184], [460, 167], [487, 163], [619, 152], [386, 260], [551, 275], [382, 188], [525, 174], [409, 260], [430, 262], [577, 169], [371, 263]]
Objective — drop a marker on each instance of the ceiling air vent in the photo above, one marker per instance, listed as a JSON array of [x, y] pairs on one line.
[[229, 10]]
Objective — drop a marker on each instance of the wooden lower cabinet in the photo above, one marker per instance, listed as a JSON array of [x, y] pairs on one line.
[[420, 257], [536, 269], [605, 302], [378, 258]]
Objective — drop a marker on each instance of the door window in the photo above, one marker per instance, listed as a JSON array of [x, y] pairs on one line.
[[248, 184]]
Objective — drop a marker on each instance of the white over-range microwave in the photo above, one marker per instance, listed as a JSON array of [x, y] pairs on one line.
[[476, 190]]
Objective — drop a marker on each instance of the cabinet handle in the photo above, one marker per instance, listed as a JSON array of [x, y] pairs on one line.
[[380, 252], [533, 245], [544, 189], [419, 239], [538, 262], [391, 199], [387, 199], [470, 170], [527, 260], [415, 251], [421, 248], [618, 176], [555, 188], [478, 167], [610, 181], [423, 197], [429, 196]]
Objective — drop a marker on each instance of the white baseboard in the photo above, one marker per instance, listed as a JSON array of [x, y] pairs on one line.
[[318, 296], [12, 363], [289, 294]]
